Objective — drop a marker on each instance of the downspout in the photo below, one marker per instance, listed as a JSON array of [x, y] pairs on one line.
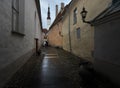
[[69, 31]]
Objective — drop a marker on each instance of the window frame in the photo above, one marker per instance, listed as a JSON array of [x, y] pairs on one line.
[[78, 32], [16, 18], [75, 16], [15, 15]]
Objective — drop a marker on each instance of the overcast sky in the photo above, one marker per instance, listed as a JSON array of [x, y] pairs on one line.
[[52, 4]]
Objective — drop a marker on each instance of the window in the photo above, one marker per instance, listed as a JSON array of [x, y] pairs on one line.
[[75, 16], [18, 16], [15, 15], [78, 33]]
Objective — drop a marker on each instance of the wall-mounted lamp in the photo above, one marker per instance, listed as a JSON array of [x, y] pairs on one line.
[[84, 14]]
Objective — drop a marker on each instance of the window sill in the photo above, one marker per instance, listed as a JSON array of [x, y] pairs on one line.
[[18, 33]]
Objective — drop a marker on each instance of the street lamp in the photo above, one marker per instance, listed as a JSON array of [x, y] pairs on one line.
[[84, 14]]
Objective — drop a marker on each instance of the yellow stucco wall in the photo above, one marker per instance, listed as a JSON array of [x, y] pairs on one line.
[[84, 46], [54, 37], [65, 32]]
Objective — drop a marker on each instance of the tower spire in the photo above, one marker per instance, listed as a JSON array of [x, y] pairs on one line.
[[48, 14], [48, 17]]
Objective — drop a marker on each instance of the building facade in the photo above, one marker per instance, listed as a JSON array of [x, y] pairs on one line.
[[55, 37], [107, 41], [98, 42], [78, 37], [20, 34]]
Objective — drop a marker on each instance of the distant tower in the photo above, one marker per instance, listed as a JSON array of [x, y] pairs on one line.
[[62, 6], [48, 18]]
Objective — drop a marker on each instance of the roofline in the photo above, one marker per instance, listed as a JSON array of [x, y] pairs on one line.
[[69, 6], [106, 12], [60, 19]]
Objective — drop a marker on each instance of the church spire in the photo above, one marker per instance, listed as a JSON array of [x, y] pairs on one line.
[[48, 18], [48, 14]]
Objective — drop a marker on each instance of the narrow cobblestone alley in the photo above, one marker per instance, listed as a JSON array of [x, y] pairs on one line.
[[59, 43], [55, 68]]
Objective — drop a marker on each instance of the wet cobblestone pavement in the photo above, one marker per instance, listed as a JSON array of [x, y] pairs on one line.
[[55, 68]]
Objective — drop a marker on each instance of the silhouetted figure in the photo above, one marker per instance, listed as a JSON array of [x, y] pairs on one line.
[[46, 43]]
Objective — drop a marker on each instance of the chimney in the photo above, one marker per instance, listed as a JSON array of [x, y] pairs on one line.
[[56, 10], [62, 6]]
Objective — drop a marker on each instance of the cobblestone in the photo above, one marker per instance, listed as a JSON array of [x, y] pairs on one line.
[[55, 68]]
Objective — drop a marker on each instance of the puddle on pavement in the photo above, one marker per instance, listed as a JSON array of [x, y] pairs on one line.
[[51, 56]]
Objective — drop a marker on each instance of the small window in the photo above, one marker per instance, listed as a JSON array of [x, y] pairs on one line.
[[78, 33], [75, 16]]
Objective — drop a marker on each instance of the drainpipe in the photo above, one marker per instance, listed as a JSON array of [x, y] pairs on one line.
[[69, 30]]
